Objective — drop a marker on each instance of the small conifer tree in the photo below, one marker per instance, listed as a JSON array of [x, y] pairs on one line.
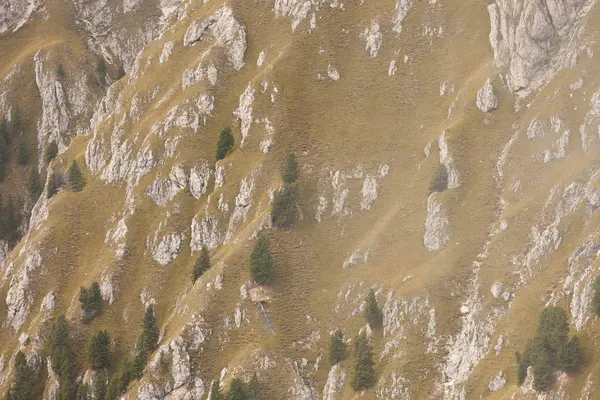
[[596, 298], [225, 145], [364, 374], [215, 391], [75, 177], [35, 185], [290, 171], [236, 390], [252, 388], [98, 352], [439, 181], [23, 153], [60, 70], [283, 210], [202, 264], [54, 183], [373, 313], [51, 152], [261, 261], [337, 347]]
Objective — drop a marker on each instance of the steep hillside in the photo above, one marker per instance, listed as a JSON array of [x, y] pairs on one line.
[[499, 100]]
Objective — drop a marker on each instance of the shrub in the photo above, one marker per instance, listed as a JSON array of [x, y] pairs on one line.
[[23, 153], [337, 347], [75, 177], [439, 181], [596, 298], [202, 264], [283, 210], [91, 301], [60, 70], [51, 152], [225, 145], [290, 171], [364, 374], [35, 185], [101, 69], [10, 221], [373, 314], [98, 352], [261, 262]]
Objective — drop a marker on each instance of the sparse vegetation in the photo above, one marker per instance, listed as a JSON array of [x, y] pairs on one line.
[[75, 177], [439, 181], [60, 70], [225, 145], [98, 352], [17, 123], [252, 388], [364, 374], [23, 153], [261, 261], [10, 221], [34, 184], [51, 152], [121, 72], [215, 391], [83, 393], [63, 359], [373, 314], [337, 347], [236, 390], [91, 301], [550, 350], [290, 171], [202, 264]]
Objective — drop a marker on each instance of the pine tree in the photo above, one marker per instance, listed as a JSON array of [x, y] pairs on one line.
[[364, 373], [63, 358], [261, 262], [225, 145], [35, 184], [439, 181], [202, 264], [252, 388], [23, 153], [149, 336], [543, 372], [283, 210], [101, 68], [337, 347], [290, 171], [51, 152], [236, 390], [83, 393], [569, 355], [98, 352], [373, 314], [91, 301], [25, 377], [54, 183], [60, 70], [596, 298], [215, 391], [99, 388], [17, 124], [4, 153], [75, 177]]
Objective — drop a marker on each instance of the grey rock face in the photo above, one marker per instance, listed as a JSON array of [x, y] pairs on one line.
[[15, 13], [226, 31], [19, 299], [199, 178], [534, 40], [486, 97], [437, 225], [498, 382], [334, 384], [163, 190]]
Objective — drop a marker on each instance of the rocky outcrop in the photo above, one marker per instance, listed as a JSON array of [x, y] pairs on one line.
[[448, 162], [486, 97], [373, 38], [199, 178], [244, 111], [498, 382], [242, 203], [163, 190], [396, 387], [19, 299], [335, 383], [205, 232], [166, 249], [15, 13], [402, 9], [534, 40], [437, 225], [226, 31]]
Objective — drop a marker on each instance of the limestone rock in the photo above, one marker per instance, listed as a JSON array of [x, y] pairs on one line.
[[486, 97], [373, 38], [244, 112], [199, 178], [402, 9], [205, 231], [167, 249], [296, 9], [163, 190], [498, 382], [15, 13], [496, 289], [18, 298], [437, 225], [335, 383]]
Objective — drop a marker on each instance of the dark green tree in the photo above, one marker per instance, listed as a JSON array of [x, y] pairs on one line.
[[290, 171], [35, 184], [23, 153], [596, 298], [60, 70], [63, 359], [439, 181], [99, 388], [54, 183], [283, 210], [215, 391], [337, 347], [225, 145], [75, 177], [17, 124], [261, 261], [83, 393], [252, 388], [25, 383], [202, 264], [553, 329], [543, 371], [149, 337], [236, 390], [51, 152], [373, 314], [101, 69], [364, 374], [98, 352], [11, 221], [91, 301], [569, 355]]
